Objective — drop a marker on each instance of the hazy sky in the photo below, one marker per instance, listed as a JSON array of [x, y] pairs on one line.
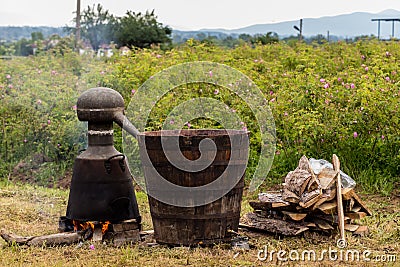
[[190, 14]]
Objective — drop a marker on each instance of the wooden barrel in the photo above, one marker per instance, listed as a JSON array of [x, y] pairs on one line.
[[204, 224]]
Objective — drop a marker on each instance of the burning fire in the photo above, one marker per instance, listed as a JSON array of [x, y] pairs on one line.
[[80, 226]]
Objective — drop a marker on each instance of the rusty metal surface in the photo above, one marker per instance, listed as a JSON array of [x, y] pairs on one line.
[[101, 187]]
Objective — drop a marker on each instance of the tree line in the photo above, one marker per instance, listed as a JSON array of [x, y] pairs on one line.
[[142, 30]]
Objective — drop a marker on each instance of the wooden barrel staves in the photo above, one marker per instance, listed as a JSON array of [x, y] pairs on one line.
[[180, 220]]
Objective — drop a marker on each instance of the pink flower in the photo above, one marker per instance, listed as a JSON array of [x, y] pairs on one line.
[[244, 128], [277, 152], [210, 73], [271, 92], [355, 134], [322, 80], [39, 102], [362, 57], [74, 107], [10, 86], [53, 72], [339, 79], [387, 79], [91, 247], [352, 86], [387, 54], [383, 137], [8, 76], [188, 124], [39, 71], [48, 121], [102, 72], [272, 100], [326, 86], [327, 101], [158, 56], [171, 122], [25, 141], [133, 91], [285, 114], [366, 68], [216, 92]]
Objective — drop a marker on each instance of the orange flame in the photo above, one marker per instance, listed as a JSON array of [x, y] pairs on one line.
[[79, 226], [104, 228]]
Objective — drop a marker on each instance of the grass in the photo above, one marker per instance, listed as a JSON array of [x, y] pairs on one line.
[[33, 210]]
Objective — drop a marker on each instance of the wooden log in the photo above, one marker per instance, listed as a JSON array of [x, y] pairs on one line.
[[270, 197], [267, 206], [45, 240], [126, 225], [336, 167], [253, 221], [124, 237]]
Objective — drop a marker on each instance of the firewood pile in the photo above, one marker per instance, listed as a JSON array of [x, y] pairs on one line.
[[308, 202]]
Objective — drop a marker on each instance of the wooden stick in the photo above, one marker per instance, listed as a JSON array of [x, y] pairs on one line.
[[336, 166], [48, 240]]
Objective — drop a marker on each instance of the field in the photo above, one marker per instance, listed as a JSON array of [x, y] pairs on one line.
[[30, 210], [340, 98]]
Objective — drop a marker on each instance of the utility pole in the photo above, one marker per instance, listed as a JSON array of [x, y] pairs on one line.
[[78, 23], [300, 30]]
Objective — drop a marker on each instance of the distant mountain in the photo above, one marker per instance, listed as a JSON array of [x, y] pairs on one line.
[[347, 25], [14, 33]]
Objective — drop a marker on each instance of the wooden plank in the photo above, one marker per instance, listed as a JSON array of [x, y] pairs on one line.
[[356, 209], [361, 203], [328, 207], [289, 196], [295, 216], [351, 227], [327, 178], [310, 198], [356, 215], [347, 193], [362, 231], [323, 225], [330, 218], [336, 167], [280, 204]]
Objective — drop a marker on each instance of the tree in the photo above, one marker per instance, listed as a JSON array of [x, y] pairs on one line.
[[142, 30], [269, 38], [97, 25]]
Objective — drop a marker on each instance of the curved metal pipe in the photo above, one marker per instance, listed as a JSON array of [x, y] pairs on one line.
[[125, 124]]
